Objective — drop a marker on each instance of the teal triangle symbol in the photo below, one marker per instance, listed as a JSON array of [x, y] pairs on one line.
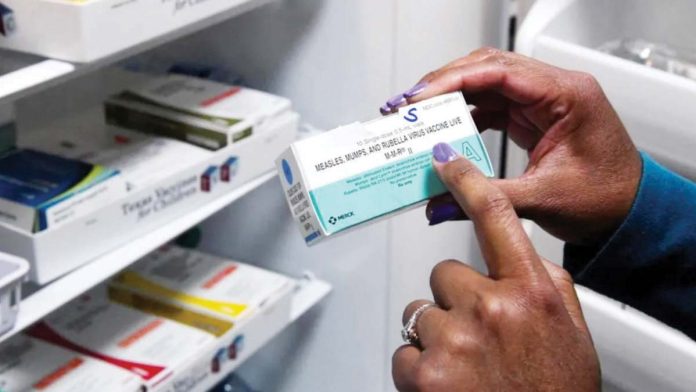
[[470, 153]]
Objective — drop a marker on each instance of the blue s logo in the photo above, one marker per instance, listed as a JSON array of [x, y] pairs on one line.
[[287, 171], [412, 116]]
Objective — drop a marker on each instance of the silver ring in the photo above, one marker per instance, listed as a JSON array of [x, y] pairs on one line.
[[409, 333]]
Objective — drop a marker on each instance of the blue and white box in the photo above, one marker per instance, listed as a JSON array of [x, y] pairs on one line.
[[364, 171], [39, 190]]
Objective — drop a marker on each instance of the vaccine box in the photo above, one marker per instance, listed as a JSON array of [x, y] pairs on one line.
[[204, 283], [28, 364], [156, 349], [208, 114], [242, 306], [39, 190], [140, 159], [360, 172]]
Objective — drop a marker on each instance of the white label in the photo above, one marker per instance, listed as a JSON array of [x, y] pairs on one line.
[[357, 148]]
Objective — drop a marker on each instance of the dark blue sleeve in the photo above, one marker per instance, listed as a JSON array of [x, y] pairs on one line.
[[649, 263]]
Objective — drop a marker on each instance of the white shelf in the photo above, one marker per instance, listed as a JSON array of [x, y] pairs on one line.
[[24, 74], [658, 112], [52, 296], [310, 292], [638, 352], [21, 74]]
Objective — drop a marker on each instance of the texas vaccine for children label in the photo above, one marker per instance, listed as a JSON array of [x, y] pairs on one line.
[[364, 171]]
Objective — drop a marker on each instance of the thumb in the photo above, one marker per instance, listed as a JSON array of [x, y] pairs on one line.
[[521, 192], [566, 288]]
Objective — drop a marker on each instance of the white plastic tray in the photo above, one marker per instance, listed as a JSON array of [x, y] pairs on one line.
[[13, 271], [656, 107], [83, 31]]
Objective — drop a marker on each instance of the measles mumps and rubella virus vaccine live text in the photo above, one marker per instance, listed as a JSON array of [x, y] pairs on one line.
[[364, 171]]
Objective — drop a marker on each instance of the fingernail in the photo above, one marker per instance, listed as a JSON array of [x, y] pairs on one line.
[[443, 153], [443, 213], [396, 101], [415, 90], [385, 109]]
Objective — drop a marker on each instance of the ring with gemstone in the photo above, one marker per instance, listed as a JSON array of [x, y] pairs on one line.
[[409, 332]]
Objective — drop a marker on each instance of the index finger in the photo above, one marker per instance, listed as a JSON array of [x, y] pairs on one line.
[[515, 77], [506, 248]]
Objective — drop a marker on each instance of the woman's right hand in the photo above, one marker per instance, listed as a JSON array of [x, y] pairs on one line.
[[583, 171]]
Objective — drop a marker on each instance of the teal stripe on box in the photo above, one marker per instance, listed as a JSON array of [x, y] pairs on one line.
[[391, 187]]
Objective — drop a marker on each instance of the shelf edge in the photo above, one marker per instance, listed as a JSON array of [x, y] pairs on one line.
[[63, 290]]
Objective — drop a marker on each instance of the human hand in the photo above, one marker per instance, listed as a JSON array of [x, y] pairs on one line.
[[583, 171], [520, 329]]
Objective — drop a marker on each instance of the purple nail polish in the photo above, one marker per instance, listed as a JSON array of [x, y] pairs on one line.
[[415, 90], [385, 109], [444, 153], [443, 213], [396, 101]]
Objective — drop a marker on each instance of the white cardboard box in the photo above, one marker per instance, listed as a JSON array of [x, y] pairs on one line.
[[203, 283], [28, 364], [238, 335], [202, 112], [86, 30], [156, 349], [359, 173], [53, 253]]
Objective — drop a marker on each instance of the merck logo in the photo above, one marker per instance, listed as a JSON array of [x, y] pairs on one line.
[[411, 116], [335, 219]]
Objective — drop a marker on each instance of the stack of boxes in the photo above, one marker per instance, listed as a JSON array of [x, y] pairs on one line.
[[170, 144], [169, 323]]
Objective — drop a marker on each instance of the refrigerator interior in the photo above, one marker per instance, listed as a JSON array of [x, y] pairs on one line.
[[337, 62], [657, 110]]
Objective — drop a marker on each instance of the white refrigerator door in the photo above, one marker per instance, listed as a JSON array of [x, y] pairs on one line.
[[338, 61], [637, 352]]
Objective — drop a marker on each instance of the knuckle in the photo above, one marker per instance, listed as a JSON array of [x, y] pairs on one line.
[[586, 78], [460, 174], [493, 310], [546, 300], [503, 59], [560, 274], [398, 353], [549, 299], [498, 57], [495, 203], [432, 75], [428, 377], [441, 272], [485, 51], [459, 342], [587, 83]]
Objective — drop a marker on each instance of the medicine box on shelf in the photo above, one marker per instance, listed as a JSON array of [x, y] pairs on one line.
[[28, 364], [242, 306], [86, 30], [156, 349], [54, 252]]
